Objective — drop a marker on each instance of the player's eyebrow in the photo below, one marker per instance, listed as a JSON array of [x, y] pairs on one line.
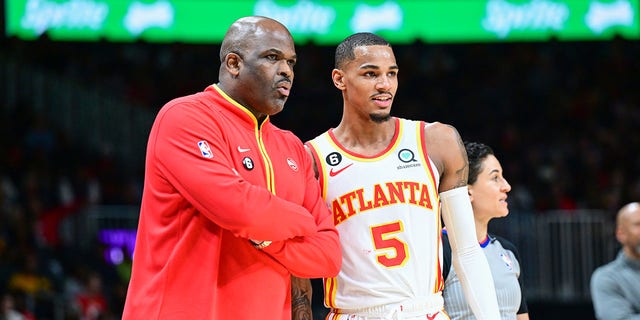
[[376, 67]]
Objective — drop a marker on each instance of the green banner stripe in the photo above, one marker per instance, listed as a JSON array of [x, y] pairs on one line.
[[327, 21]]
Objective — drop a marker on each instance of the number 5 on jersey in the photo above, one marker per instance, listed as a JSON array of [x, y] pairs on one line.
[[384, 239]]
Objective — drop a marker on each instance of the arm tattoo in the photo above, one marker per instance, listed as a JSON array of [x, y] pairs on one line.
[[300, 304]]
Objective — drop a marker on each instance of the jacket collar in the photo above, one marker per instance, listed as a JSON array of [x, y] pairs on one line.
[[235, 107]]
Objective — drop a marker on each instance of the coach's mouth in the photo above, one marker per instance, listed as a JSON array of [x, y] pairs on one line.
[[284, 88]]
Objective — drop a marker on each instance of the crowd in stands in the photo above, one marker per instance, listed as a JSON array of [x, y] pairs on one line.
[[563, 117], [43, 180]]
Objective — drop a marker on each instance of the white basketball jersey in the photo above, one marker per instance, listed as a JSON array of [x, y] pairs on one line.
[[386, 209]]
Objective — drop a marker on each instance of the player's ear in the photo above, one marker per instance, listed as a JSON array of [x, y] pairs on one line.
[[470, 191], [338, 78]]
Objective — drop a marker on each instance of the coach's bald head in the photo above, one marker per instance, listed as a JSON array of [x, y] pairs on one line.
[[243, 34], [257, 56]]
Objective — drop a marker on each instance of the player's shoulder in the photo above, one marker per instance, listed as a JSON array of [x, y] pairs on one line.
[[318, 141], [441, 139], [440, 130]]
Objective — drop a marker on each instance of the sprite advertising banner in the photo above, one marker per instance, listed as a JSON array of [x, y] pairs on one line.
[[325, 22]]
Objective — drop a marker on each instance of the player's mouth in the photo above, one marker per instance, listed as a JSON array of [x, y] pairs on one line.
[[383, 100]]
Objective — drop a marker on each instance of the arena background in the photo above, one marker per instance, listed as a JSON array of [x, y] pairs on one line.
[[561, 114]]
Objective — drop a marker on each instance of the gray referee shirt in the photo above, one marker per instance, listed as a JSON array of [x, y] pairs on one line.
[[615, 289], [505, 270]]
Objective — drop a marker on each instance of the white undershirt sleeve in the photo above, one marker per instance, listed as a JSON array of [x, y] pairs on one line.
[[468, 259]]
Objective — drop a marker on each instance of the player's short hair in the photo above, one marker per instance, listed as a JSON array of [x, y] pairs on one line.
[[476, 152], [345, 50]]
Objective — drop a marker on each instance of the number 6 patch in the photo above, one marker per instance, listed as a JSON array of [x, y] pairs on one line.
[[247, 163]]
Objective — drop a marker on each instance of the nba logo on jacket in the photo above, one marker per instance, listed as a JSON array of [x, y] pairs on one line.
[[204, 149]]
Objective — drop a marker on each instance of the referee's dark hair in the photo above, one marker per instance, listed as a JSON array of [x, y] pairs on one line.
[[476, 152], [344, 50]]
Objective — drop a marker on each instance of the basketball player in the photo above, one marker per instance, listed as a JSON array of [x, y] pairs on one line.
[[386, 181]]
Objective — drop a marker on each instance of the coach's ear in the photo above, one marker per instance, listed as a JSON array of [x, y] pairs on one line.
[[232, 62], [338, 79]]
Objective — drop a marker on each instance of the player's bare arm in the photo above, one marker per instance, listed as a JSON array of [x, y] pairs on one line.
[[313, 159], [446, 149], [301, 291]]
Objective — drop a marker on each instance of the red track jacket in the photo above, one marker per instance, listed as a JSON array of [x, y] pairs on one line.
[[215, 178]]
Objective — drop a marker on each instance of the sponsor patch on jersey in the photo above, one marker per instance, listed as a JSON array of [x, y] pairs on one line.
[[507, 260], [406, 156], [292, 164], [203, 145]]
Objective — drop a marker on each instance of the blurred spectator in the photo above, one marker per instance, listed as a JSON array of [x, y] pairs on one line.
[[8, 309], [40, 140], [36, 286], [90, 302]]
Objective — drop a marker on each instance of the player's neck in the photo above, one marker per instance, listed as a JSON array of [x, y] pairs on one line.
[[365, 137]]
